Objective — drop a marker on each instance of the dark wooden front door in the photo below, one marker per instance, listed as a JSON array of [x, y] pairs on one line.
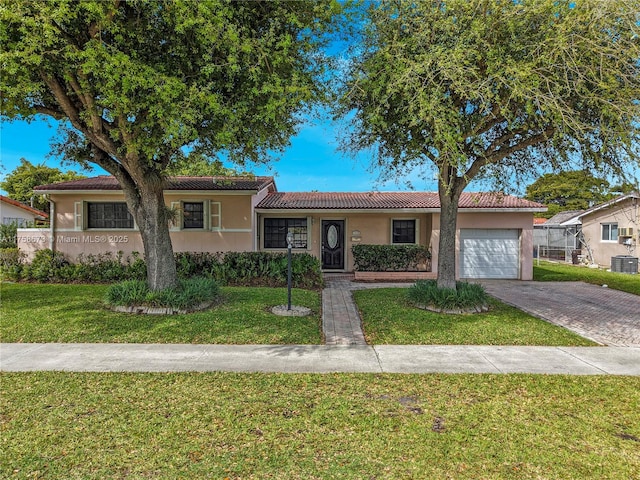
[[333, 244]]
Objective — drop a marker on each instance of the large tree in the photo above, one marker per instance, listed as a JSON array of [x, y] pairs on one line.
[[494, 87], [141, 82], [19, 183], [568, 190]]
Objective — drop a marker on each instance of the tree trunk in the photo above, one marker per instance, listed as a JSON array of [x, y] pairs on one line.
[[151, 217], [447, 245]]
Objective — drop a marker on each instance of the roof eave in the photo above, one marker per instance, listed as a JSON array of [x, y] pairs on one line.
[[172, 192], [397, 210]]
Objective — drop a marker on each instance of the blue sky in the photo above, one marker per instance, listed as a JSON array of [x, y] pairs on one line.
[[312, 162]]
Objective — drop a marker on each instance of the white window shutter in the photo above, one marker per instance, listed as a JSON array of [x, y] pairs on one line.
[[78, 220], [215, 209], [176, 223]]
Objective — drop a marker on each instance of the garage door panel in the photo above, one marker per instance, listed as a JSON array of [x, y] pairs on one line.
[[492, 272], [488, 253]]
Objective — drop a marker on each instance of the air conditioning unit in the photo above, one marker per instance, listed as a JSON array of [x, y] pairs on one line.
[[625, 232], [624, 264]]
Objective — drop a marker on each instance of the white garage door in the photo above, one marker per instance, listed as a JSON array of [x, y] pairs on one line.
[[489, 253]]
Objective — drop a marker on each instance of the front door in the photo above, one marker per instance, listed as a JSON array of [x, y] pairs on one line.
[[333, 244]]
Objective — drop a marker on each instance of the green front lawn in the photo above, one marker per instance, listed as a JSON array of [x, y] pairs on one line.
[[559, 272], [239, 426], [388, 318], [75, 313]]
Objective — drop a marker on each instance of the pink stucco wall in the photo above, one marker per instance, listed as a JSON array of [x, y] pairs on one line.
[[240, 228], [625, 214]]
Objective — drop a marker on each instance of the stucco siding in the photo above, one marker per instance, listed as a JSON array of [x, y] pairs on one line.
[[359, 228], [12, 214], [72, 237], [625, 215]]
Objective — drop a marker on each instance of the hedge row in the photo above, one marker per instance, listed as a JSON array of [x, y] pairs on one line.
[[390, 258], [231, 268]]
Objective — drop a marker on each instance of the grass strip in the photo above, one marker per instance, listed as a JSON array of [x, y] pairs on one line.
[[388, 318], [558, 272], [76, 313], [215, 425]]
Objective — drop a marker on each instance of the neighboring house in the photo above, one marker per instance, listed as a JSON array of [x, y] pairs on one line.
[[12, 211], [215, 214], [611, 228], [559, 238]]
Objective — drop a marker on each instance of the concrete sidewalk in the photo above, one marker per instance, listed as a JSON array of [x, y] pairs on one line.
[[107, 357]]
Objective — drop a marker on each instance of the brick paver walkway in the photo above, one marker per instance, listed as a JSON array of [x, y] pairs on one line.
[[341, 323], [607, 316]]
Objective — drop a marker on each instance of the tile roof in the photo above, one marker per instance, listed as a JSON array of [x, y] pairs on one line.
[[107, 182], [387, 201], [15, 203]]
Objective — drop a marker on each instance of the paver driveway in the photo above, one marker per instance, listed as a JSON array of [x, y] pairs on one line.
[[607, 316]]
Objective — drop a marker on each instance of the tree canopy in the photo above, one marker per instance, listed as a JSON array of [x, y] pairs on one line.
[[495, 88], [139, 83], [568, 190], [199, 165], [20, 182]]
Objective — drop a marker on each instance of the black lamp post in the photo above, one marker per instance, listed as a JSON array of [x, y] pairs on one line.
[[289, 245]]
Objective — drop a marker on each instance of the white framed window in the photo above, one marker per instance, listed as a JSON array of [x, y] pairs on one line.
[[404, 231], [609, 232], [196, 215], [192, 215], [102, 216], [276, 229]]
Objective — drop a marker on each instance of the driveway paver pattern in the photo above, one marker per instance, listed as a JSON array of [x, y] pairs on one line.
[[606, 316]]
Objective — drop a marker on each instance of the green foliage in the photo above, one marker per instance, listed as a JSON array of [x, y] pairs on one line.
[[107, 267], [394, 258], [231, 268], [8, 235], [20, 182], [11, 263], [188, 294], [493, 88], [268, 268], [465, 296], [201, 166], [47, 266], [141, 83], [568, 190]]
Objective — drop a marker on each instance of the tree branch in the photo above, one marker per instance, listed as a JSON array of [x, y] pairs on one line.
[[57, 114], [101, 140]]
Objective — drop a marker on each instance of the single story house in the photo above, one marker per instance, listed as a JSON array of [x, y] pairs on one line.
[[611, 229], [494, 240], [13, 211]]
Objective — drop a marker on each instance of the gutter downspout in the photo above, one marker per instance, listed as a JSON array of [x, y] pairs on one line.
[[52, 223]]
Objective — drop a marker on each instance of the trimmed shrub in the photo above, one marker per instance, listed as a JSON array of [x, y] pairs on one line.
[[267, 269], [467, 296], [8, 235], [232, 268], [390, 258], [195, 264], [48, 266], [11, 263], [189, 293]]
